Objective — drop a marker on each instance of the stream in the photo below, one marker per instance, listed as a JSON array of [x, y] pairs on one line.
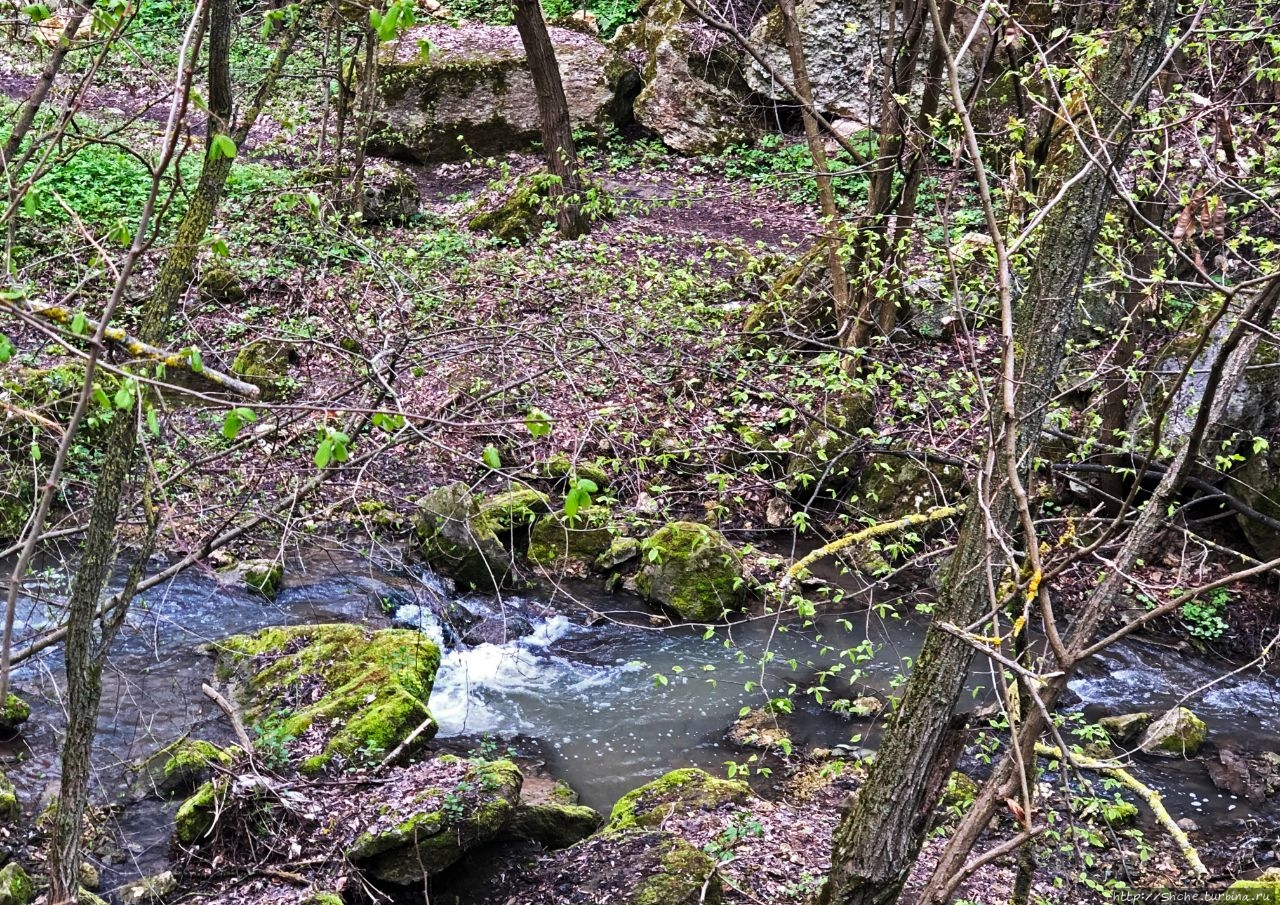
[[584, 699]]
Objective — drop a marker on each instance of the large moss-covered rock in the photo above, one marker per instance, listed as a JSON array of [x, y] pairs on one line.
[[629, 867], [558, 539], [691, 568], [265, 364], [1263, 890], [446, 92], [694, 96], [179, 768], [680, 791], [444, 824], [195, 815], [14, 713], [889, 487], [16, 887], [515, 508], [458, 541], [261, 575], [1177, 733], [554, 825], [1124, 727], [363, 691], [822, 455]]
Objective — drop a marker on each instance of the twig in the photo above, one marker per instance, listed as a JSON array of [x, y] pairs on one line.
[[428, 723], [232, 714]]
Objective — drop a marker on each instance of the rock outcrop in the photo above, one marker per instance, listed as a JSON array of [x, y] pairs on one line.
[[445, 92], [692, 569]]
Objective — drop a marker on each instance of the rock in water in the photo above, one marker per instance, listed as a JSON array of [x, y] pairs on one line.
[[445, 92], [1177, 733], [692, 569], [458, 540]]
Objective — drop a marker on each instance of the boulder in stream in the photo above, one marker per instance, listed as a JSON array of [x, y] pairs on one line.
[[262, 575], [335, 692], [446, 92], [1177, 733], [457, 540], [1125, 727], [181, 767], [14, 713], [560, 541], [691, 568]]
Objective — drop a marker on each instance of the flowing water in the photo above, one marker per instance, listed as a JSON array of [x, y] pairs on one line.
[[607, 706]]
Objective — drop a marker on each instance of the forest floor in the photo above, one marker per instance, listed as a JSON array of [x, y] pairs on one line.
[[630, 340]]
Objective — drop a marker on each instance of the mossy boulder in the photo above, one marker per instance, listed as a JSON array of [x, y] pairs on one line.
[[10, 807], [445, 828], [621, 550], [261, 575], [363, 691], [456, 540], [148, 890], [195, 815], [694, 97], [890, 487], [1177, 733], [680, 791], [265, 364], [960, 792], [219, 283], [557, 539], [561, 467], [691, 568], [628, 867], [179, 768], [515, 508], [531, 205], [822, 455], [14, 713], [554, 826], [758, 728], [1263, 890], [472, 92], [1125, 727], [389, 193], [16, 887]]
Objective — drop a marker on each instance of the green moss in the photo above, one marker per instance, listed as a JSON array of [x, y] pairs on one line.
[[692, 569], [182, 765], [1177, 733], [456, 540], [323, 898], [1119, 812], [10, 807], [1252, 892], [554, 825], [679, 791], [523, 213], [556, 538], [16, 887], [262, 575], [195, 815], [14, 713], [686, 872], [220, 283], [265, 364], [514, 508], [621, 550], [429, 841], [561, 467], [366, 690]]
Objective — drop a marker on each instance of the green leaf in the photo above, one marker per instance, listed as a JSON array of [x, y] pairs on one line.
[[491, 457], [324, 454], [37, 12], [6, 349], [193, 358], [30, 200], [538, 422], [153, 423], [79, 323], [101, 398], [571, 503], [218, 246], [587, 485], [120, 232], [231, 425], [221, 146], [124, 397]]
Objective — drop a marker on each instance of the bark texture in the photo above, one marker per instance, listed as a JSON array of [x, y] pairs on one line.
[[553, 110]]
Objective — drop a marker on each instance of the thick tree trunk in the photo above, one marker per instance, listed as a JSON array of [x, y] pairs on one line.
[[553, 109], [881, 831]]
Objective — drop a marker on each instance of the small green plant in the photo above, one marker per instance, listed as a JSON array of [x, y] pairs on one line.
[[740, 828], [272, 742], [1203, 619]]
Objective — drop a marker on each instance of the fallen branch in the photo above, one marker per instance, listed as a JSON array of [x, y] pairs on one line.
[[866, 534], [409, 739], [232, 714], [1146, 793], [64, 317]]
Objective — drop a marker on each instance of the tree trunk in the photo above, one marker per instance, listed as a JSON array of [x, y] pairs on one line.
[[85, 655], [821, 172], [882, 829], [553, 110]]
